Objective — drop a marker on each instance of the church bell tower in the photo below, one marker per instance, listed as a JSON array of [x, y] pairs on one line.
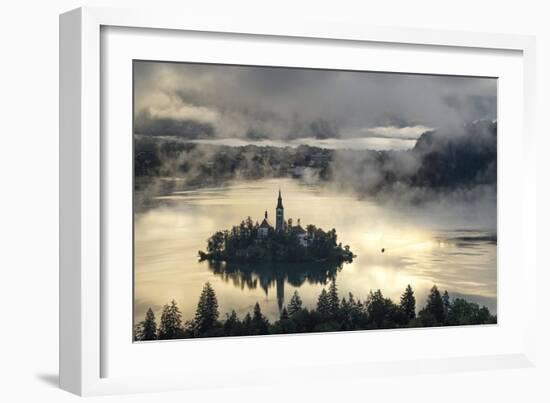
[[279, 214]]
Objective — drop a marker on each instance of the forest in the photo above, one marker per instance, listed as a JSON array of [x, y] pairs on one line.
[[437, 161], [331, 314]]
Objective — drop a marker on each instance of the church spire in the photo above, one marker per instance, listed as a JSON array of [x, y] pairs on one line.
[[279, 200], [279, 214]]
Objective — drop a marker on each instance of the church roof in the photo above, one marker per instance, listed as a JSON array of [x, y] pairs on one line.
[[265, 222], [298, 230]]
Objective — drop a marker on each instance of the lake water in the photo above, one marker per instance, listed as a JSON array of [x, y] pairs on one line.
[[449, 244]]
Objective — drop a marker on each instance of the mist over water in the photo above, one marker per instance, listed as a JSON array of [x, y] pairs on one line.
[[362, 143], [402, 166], [449, 242]]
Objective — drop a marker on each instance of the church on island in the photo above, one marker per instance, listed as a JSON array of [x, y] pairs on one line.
[[280, 225], [283, 242]]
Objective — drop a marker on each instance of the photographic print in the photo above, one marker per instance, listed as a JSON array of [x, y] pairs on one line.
[[275, 200]]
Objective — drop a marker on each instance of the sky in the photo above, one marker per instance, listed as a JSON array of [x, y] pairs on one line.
[[238, 105]]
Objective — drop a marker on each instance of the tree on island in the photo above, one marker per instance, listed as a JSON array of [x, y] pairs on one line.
[[207, 313], [215, 242], [245, 243], [170, 322], [408, 303]]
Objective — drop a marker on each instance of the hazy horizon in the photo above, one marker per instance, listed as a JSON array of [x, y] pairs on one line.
[[255, 103]]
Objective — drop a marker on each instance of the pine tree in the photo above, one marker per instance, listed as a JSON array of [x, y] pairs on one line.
[[377, 308], [334, 301], [259, 321], [446, 303], [215, 242], [408, 303], [148, 328], [295, 304], [170, 322], [231, 324], [345, 314], [247, 324], [207, 310], [434, 305], [323, 304], [284, 314], [356, 310]]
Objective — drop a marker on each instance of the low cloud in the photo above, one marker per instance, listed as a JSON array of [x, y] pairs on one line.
[[286, 104], [460, 165], [178, 110], [405, 133]]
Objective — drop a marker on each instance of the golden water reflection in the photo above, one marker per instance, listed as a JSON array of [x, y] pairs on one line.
[[451, 246]]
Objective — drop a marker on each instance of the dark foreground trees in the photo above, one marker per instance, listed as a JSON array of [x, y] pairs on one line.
[[330, 314], [434, 309], [170, 322], [408, 303], [207, 314], [295, 304], [147, 329]]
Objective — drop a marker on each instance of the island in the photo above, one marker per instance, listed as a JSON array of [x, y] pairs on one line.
[[284, 242]]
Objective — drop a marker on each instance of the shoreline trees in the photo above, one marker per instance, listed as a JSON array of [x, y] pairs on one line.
[[147, 329], [207, 314], [331, 314], [408, 303], [465, 160], [170, 322]]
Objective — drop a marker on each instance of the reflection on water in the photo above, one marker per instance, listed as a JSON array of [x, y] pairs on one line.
[[451, 245], [268, 275]]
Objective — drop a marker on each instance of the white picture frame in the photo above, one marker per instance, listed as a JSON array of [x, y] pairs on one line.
[[86, 345]]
